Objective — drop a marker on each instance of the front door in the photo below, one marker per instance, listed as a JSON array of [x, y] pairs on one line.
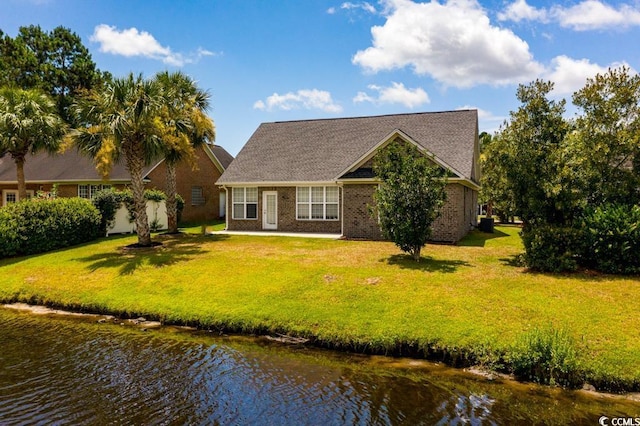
[[269, 210]]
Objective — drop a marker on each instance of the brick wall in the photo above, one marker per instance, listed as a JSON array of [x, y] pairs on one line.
[[458, 213], [287, 221], [358, 223], [205, 176]]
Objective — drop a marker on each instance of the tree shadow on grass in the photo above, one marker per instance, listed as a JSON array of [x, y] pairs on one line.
[[174, 249], [426, 264], [477, 238]]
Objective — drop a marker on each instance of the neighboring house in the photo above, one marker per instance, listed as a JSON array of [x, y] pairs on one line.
[[76, 176], [316, 175]]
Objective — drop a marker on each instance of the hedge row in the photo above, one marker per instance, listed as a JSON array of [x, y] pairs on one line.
[[606, 239], [37, 226]]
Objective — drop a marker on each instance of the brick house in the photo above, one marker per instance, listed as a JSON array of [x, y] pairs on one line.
[[76, 176], [316, 175]]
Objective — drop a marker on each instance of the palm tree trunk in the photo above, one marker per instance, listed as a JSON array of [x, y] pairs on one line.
[[135, 164], [22, 185], [172, 204]]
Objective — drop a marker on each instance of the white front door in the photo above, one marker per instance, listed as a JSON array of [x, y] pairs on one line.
[[269, 210]]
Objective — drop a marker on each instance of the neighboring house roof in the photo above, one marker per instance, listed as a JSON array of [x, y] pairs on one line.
[[329, 149], [224, 158], [70, 166]]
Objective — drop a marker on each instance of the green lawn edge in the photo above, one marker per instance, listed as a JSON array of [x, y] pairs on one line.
[[463, 304]]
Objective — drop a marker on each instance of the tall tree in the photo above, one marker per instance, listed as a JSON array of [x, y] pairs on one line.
[[495, 189], [186, 126], [410, 196], [29, 123], [124, 122], [532, 140], [608, 136], [56, 62]]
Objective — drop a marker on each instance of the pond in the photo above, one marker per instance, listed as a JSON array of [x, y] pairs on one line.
[[61, 370]]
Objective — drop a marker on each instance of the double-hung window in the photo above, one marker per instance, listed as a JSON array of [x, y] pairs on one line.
[[89, 191], [245, 203], [317, 202]]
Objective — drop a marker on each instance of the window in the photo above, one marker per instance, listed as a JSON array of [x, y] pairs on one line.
[[197, 196], [11, 196], [89, 191], [245, 203], [317, 202]]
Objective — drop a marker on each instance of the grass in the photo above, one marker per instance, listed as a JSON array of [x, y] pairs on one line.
[[465, 302]]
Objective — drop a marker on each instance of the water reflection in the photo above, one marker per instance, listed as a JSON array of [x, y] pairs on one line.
[[60, 371]]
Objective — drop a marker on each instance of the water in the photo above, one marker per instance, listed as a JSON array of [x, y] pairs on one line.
[[56, 370]]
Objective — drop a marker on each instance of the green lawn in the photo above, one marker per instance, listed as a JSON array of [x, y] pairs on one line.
[[352, 294]]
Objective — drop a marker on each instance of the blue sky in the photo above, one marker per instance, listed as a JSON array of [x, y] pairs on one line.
[[289, 60]]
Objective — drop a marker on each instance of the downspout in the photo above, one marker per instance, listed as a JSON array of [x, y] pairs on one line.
[[226, 207], [341, 186]]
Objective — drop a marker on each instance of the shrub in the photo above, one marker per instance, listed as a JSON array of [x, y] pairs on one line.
[[547, 356], [180, 206], [551, 248], [107, 202], [613, 235], [154, 195], [37, 226]]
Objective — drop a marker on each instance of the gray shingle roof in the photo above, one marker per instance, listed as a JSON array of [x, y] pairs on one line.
[[320, 150], [67, 167], [222, 155]]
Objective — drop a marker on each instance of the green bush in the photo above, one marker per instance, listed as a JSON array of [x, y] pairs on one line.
[[551, 248], [613, 235], [180, 206], [37, 226], [107, 202], [547, 356]]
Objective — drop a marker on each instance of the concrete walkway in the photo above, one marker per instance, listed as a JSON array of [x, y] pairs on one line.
[[279, 234]]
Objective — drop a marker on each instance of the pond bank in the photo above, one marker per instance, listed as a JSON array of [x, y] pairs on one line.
[[144, 324]]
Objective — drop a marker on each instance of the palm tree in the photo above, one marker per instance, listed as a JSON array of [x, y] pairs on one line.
[[29, 123], [123, 122], [186, 126]]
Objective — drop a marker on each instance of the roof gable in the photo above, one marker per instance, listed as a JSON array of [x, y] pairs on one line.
[[324, 150]]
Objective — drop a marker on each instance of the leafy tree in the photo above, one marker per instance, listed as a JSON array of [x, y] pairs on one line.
[[29, 123], [533, 139], [495, 190], [56, 62], [607, 137], [410, 196], [186, 126], [124, 122]]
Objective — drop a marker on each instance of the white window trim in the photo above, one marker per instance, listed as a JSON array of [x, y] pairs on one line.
[[90, 190], [5, 192], [324, 204], [244, 203]]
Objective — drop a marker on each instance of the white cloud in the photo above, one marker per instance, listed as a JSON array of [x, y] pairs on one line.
[[131, 42], [394, 94], [594, 15], [331, 10], [570, 75], [521, 11], [487, 121], [453, 42], [367, 7], [583, 16], [306, 99]]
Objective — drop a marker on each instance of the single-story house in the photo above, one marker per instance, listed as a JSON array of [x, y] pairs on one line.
[[76, 176], [316, 175]]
